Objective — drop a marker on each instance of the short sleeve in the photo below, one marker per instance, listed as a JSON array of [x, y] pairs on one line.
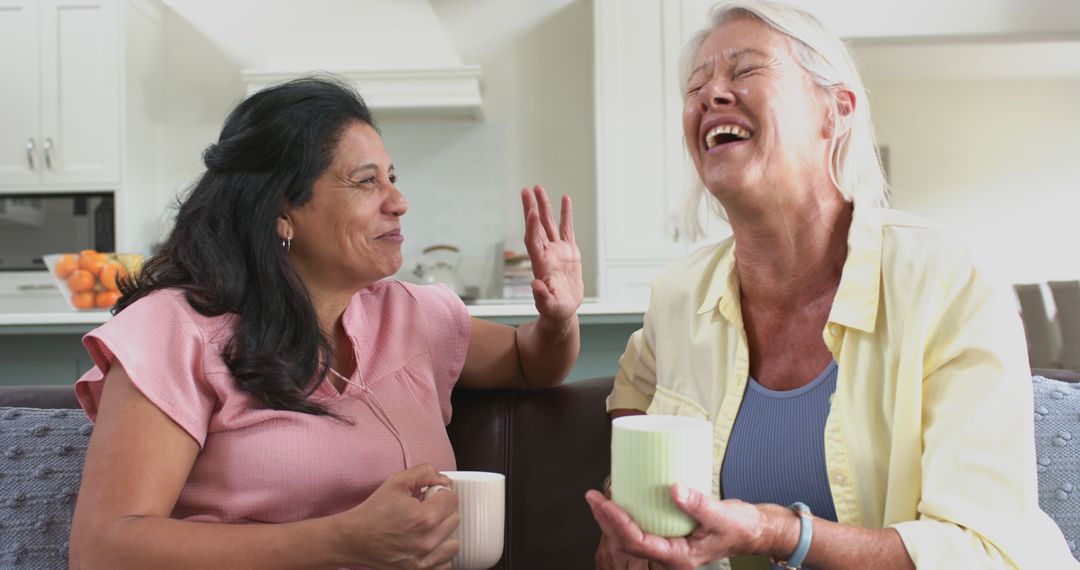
[[448, 332], [635, 382], [162, 350]]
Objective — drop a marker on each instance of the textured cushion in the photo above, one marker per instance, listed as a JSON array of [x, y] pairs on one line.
[[1057, 447], [41, 459]]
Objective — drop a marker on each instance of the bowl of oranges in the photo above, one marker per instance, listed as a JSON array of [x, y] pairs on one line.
[[90, 280]]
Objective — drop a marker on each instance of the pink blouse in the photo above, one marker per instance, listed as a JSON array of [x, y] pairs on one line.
[[261, 465]]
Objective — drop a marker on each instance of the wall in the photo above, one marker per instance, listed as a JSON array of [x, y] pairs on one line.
[[995, 159], [201, 85], [461, 177]]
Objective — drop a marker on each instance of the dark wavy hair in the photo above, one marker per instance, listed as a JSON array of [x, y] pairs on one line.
[[224, 251]]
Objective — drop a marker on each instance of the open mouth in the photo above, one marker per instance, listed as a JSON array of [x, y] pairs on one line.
[[725, 134]]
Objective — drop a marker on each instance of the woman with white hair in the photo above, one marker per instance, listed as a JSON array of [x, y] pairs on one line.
[[866, 379]]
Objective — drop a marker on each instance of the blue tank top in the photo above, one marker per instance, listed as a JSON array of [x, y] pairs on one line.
[[776, 453]]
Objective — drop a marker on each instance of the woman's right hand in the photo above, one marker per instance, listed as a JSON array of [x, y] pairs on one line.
[[608, 558], [396, 527]]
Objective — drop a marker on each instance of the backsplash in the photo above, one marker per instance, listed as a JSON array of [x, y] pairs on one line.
[[453, 174]]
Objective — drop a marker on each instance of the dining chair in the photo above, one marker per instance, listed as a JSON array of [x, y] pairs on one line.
[[1039, 330], [1067, 298]]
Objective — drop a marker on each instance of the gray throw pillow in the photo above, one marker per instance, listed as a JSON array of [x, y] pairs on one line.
[[1057, 449], [41, 460]]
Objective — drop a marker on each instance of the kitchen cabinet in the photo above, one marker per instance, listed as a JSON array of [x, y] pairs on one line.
[[59, 121], [643, 170], [83, 107]]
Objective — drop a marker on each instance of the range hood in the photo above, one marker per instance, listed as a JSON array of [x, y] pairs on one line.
[[395, 52]]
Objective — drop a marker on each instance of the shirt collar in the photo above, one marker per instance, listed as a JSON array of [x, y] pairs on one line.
[[856, 302], [722, 294]]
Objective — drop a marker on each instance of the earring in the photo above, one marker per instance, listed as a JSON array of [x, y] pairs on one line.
[[286, 244]]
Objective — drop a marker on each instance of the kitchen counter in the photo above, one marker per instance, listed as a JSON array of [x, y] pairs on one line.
[[41, 338], [50, 314]]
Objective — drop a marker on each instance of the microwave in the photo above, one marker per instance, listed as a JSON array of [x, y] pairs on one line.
[[35, 225]]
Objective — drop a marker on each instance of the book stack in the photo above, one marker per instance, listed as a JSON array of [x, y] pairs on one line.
[[517, 276]]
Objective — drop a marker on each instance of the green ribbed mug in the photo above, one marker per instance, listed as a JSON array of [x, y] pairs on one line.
[[651, 453]]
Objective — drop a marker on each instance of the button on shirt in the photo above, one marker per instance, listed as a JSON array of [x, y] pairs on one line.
[[931, 427]]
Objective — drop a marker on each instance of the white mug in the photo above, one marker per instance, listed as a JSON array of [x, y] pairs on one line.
[[482, 507], [651, 453]]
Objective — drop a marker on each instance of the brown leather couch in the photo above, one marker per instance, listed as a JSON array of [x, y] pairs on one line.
[[553, 445]]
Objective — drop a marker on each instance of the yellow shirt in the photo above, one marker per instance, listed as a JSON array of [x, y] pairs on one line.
[[931, 427]]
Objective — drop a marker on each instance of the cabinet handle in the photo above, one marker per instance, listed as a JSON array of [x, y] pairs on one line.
[[36, 287], [30, 153], [47, 145]]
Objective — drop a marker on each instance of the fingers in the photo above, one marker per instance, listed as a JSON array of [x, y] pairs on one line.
[[528, 202], [597, 503], [566, 220], [623, 531], [442, 555], [416, 478], [608, 556], [430, 491], [537, 200], [444, 504], [438, 529], [447, 526], [692, 502], [534, 237], [546, 217]]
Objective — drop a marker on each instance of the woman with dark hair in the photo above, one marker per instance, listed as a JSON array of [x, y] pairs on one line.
[[261, 370]]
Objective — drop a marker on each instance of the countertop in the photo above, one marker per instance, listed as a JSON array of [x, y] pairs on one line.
[[594, 311], [30, 303], [50, 314]]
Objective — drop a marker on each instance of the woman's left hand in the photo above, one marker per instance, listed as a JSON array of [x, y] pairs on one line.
[[556, 261], [725, 528]]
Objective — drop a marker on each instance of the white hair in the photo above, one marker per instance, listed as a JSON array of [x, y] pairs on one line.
[[855, 167]]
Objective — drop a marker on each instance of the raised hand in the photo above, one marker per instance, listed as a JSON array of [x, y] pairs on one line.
[[556, 262]]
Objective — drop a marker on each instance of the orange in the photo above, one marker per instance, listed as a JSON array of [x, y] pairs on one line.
[[106, 299], [91, 261], [65, 266], [111, 273], [83, 299], [81, 280]]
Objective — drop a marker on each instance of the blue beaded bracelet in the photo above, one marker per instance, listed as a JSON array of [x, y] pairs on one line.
[[806, 534]]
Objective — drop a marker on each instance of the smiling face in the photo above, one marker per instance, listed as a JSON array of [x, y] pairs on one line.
[[754, 120], [348, 234]]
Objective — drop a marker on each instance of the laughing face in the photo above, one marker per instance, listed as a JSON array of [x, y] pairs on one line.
[[754, 120], [348, 235]]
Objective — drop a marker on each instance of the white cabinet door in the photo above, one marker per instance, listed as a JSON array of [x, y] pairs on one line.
[[20, 142], [80, 79], [637, 113], [643, 171]]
